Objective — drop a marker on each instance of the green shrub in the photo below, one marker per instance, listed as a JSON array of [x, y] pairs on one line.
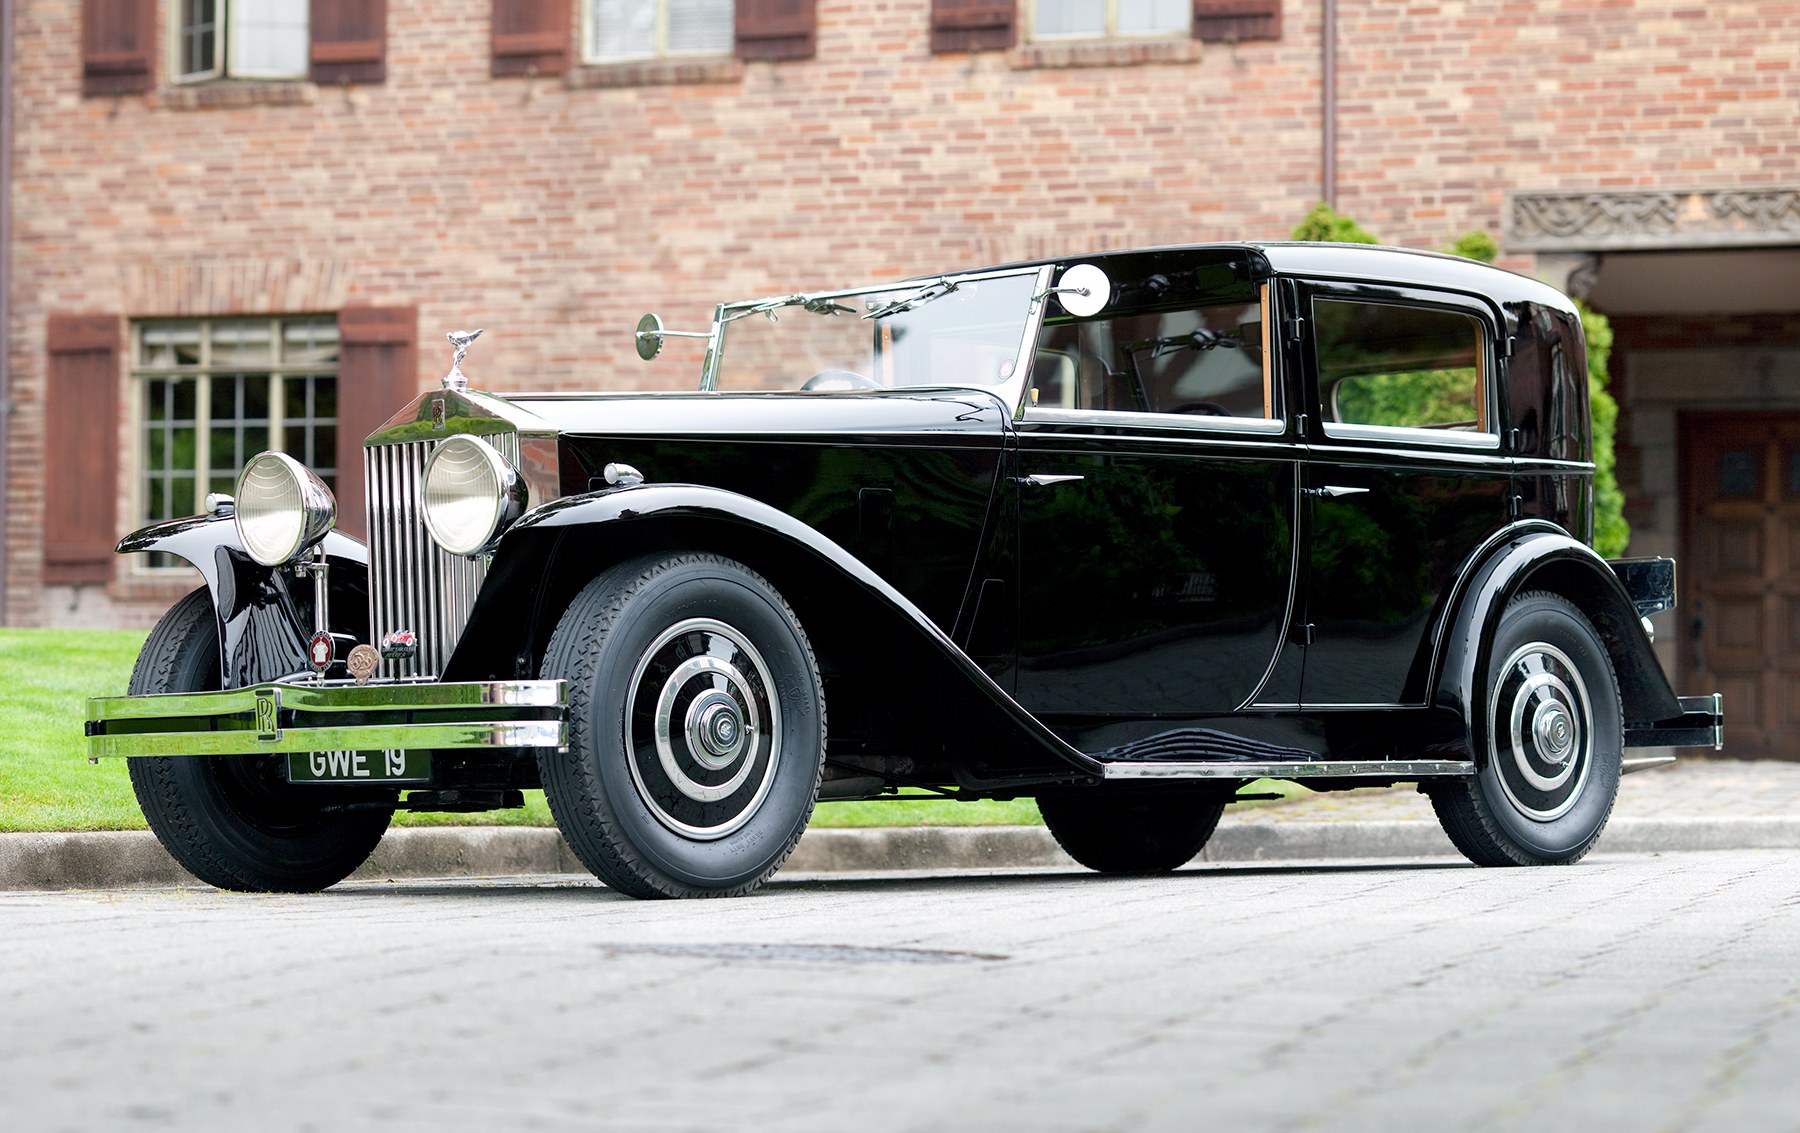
[[1326, 224], [1476, 244], [1611, 532]]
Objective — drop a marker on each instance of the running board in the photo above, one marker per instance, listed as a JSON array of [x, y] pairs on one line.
[[1295, 769]]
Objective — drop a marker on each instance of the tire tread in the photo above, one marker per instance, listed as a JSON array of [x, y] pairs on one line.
[[572, 785], [1467, 814], [181, 655]]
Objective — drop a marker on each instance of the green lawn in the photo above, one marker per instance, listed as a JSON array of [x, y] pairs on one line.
[[46, 782]]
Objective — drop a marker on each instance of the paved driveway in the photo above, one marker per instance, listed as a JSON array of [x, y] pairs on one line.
[[1630, 992]]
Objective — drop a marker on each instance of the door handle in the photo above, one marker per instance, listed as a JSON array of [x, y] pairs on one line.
[[1333, 491], [1045, 479]]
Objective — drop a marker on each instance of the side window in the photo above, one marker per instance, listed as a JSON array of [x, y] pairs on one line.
[[240, 39], [213, 393], [1206, 361], [1110, 19], [626, 30], [1400, 366]]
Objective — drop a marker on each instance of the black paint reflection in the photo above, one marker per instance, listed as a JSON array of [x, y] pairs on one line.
[[1158, 582]]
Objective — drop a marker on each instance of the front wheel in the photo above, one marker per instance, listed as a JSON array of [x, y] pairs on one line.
[[1552, 739], [1148, 830], [696, 727], [233, 820]]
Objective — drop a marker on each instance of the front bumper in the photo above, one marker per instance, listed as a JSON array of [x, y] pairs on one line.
[[329, 716]]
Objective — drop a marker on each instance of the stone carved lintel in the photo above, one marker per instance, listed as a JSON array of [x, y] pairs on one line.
[[1647, 220]]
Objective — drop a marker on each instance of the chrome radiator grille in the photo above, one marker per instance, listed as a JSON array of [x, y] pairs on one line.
[[413, 583]]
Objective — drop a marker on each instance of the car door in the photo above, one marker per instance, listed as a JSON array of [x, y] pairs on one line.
[[1403, 480], [1156, 475]]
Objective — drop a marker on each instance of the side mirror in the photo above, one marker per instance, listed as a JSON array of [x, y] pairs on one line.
[[649, 337]]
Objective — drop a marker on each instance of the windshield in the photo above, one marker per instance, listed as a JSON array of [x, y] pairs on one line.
[[953, 331]]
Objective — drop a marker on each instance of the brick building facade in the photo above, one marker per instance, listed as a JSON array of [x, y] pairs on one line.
[[431, 164]]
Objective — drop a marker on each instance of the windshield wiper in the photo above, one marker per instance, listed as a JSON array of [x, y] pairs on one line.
[[1201, 339], [813, 303], [937, 290]]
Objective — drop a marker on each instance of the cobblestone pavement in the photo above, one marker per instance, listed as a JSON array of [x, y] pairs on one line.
[[1689, 788], [1630, 992]]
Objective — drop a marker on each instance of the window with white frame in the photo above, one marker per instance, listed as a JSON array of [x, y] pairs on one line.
[[1110, 19], [213, 393], [240, 39], [623, 31]]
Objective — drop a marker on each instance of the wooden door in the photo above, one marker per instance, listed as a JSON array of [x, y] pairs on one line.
[[1740, 572]]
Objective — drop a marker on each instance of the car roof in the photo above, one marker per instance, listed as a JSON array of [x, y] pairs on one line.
[[1358, 262]]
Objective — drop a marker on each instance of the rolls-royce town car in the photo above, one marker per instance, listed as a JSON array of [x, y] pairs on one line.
[[1122, 533]]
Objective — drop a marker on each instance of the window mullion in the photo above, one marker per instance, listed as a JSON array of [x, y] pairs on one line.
[[277, 389], [136, 449], [203, 417], [278, 412], [223, 47], [202, 437]]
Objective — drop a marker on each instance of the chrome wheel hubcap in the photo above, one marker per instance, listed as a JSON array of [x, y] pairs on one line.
[[702, 729], [1541, 742]]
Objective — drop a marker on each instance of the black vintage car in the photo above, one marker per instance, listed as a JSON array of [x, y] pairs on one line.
[[1122, 533]]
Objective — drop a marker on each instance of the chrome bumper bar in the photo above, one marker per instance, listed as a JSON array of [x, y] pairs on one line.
[[329, 716], [1701, 724]]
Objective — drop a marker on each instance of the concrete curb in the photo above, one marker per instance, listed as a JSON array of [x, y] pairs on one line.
[[134, 859]]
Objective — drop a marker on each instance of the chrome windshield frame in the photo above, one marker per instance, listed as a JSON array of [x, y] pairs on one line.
[[1009, 391]]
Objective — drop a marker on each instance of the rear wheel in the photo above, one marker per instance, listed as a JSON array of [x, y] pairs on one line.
[[1142, 831], [233, 820], [1552, 740], [696, 727]]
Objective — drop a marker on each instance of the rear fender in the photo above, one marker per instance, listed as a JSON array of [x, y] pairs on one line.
[[877, 649], [1541, 556], [265, 613]]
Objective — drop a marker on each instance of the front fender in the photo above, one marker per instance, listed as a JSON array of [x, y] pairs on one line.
[[1541, 556], [852, 613], [265, 614]]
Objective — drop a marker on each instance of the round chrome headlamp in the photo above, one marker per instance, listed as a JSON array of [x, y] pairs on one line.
[[282, 508], [472, 494]]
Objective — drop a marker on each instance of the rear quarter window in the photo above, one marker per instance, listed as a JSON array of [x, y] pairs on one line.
[[1390, 365]]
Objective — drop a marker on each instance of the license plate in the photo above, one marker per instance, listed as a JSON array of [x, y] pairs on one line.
[[359, 767]]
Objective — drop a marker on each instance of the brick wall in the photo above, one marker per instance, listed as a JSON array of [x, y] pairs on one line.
[[554, 210]]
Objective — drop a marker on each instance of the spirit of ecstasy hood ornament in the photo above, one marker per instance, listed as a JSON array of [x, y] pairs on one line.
[[460, 339]]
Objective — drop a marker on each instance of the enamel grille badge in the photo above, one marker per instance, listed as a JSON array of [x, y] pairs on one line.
[[321, 652]]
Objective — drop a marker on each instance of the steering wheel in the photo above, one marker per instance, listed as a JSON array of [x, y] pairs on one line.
[[840, 380], [1210, 408]]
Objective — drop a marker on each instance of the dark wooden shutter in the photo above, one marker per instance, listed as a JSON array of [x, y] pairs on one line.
[[118, 43], [349, 41], [378, 373], [1229, 21], [777, 29], [531, 37], [81, 448], [972, 25]]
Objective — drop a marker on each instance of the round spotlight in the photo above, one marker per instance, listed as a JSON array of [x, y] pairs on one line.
[[472, 495], [282, 508]]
